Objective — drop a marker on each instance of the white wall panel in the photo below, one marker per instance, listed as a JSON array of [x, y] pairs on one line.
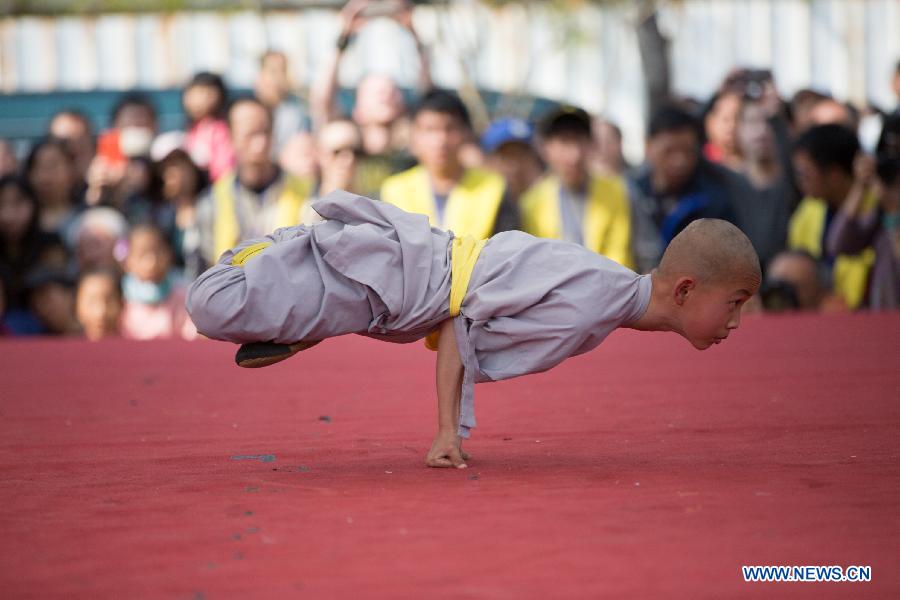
[[589, 56]]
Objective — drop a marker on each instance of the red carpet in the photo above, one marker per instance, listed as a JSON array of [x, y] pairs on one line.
[[644, 469]]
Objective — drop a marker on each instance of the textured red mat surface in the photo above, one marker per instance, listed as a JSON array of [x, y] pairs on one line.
[[644, 469]]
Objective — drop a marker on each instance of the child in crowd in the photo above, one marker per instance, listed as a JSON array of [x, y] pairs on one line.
[[99, 304], [182, 184], [495, 309], [51, 300], [208, 141], [154, 298]]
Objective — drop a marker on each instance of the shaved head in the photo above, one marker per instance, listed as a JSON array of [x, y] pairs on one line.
[[711, 251]]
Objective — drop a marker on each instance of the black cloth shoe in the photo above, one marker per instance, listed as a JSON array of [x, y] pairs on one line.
[[263, 354]]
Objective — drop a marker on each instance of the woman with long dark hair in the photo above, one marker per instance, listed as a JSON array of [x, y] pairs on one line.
[[50, 172], [23, 245], [24, 249]]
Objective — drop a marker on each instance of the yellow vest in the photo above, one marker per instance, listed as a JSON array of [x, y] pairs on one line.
[[607, 218], [226, 230], [850, 273], [471, 207]]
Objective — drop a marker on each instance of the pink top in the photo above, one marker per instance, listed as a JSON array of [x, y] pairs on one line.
[[209, 144], [169, 319]]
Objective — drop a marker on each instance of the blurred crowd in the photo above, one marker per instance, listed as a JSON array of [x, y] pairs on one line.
[[101, 231]]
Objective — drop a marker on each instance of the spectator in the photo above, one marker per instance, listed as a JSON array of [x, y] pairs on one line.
[[823, 161], [74, 128], [299, 156], [607, 157], [23, 246], [380, 110], [52, 301], [793, 282], [182, 184], [676, 185], [509, 149], [257, 197], [154, 297], [339, 148], [15, 321], [470, 153], [829, 111], [570, 203], [810, 108], [468, 201], [119, 170], [207, 141], [134, 110], [9, 164], [50, 172], [765, 219], [273, 88], [722, 113], [380, 114], [854, 229], [720, 123], [801, 106], [98, 238], [99, 304], [104, 178], [141, 189]]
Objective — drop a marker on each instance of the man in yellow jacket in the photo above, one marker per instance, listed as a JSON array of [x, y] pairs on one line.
[[824, 163], [257, 197], [467, 201], [570, 203]]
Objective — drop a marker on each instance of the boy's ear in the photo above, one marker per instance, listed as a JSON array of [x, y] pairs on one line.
[[683, 287]]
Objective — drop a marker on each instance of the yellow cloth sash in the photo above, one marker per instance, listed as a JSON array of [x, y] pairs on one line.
[[464, 253], [607, 217], [471, 208], [850, 273], [249, 252], [226, 230]]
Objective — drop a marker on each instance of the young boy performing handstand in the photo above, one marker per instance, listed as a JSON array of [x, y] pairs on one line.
[[510, 306]]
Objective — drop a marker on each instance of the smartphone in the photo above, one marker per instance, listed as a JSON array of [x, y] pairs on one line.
[[383, 8]]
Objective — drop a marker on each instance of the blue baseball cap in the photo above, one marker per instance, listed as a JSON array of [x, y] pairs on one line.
[[506, 130]]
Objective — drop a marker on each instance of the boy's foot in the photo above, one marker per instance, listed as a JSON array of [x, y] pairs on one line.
[[263, 354]]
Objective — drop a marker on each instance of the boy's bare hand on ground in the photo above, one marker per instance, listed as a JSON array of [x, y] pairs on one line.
[[446, 451]]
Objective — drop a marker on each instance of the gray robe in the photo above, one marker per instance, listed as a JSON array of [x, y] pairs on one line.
[[373, 269]]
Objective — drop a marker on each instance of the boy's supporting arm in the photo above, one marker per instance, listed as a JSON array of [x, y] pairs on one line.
[[446, 450]]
